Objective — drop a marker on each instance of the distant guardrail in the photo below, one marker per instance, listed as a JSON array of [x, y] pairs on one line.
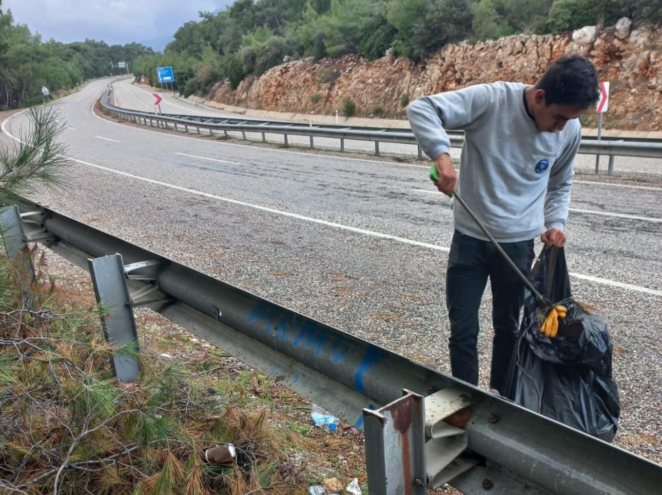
[[214, 125]]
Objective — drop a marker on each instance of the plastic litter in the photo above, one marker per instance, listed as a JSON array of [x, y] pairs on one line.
[[353, 488], [316, 490], [323, 419], [224, 455], [567, 378]]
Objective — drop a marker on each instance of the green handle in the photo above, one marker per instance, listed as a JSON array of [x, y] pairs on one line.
[[434, 177]]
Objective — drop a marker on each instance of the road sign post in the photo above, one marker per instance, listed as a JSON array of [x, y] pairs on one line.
[[158, 101], [603, 106]]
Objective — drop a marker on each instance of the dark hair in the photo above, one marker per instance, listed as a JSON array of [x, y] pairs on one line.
[[571, 80]]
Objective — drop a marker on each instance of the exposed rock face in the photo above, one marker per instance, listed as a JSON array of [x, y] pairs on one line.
[[630, 60]]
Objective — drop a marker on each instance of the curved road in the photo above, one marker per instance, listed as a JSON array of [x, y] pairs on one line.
[[359, 244], [135, 97]]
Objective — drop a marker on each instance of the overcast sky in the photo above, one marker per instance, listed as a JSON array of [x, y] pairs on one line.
[[151, 22]]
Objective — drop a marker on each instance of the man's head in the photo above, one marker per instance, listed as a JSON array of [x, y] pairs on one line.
[[568, 89]]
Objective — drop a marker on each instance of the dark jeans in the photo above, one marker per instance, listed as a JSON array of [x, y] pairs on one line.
[[470, 263]]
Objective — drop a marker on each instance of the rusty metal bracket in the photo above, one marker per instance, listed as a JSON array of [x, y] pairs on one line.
[[395, 447]]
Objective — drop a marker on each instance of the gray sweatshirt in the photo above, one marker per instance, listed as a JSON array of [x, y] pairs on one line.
[[515, 178]]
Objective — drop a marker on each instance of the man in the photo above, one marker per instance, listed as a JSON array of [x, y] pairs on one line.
[[516, 174]]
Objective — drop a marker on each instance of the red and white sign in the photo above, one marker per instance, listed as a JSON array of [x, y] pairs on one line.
[[158, 98], [603, 102]]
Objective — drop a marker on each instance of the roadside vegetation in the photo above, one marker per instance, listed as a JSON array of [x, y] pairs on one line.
[[27, 63], [251, 36]]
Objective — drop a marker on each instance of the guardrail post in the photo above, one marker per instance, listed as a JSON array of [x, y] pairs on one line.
[[395, 447], [377, 148], [264, 137], [342, 144], [286, 143], [243, 135], [312, 143], [16, 246], [112, 293], [176, 128], [226, 133], [186, 128], [211, 131], [198, 127], [151, 122], [611, 165], [420, 153]]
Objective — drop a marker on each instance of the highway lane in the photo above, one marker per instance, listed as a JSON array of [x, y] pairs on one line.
[[139, 98], [355, 243]]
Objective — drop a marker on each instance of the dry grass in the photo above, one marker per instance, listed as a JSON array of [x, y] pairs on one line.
[[69, 427]]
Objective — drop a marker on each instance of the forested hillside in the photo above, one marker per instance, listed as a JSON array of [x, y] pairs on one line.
[[27, 62], [252, 36]]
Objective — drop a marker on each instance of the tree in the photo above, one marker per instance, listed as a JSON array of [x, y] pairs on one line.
[[234, 70], [485, 24], [444, 21], [37, 159]]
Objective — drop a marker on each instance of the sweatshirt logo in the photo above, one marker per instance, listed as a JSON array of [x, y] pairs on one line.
[[541, 166]]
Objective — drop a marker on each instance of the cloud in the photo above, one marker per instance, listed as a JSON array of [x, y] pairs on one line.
[[152, 22]]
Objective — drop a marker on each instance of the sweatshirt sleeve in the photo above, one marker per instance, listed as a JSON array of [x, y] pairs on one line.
[[429, 116], [557, 201]]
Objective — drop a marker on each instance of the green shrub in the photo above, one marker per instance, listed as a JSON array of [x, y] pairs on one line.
[[377, 111], [191, 87], [325, 76], [316, 98], [349, 107], [234, 70], [404, 100]]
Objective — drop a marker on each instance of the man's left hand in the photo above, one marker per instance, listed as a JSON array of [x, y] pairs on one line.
[[553, 238]]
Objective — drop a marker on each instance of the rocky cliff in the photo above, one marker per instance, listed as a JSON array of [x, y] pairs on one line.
[[630, 59]]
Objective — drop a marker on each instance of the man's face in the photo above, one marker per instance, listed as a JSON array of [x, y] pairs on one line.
[[552, 118]]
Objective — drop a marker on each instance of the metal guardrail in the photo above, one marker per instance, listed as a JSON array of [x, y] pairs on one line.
[[505, 449], [589, 146]]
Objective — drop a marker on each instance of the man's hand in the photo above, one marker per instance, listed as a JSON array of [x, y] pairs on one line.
[[553, 238], [447, 178]]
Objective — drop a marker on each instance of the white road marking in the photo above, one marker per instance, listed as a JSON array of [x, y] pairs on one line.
[[70, 128], [617, 215], [620, 285], [608, 184], [590, 278], [107, 139], [135, 97], [357, 230], [210, 159], [578, 210]]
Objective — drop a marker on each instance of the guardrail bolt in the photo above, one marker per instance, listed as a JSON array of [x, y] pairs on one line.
[[418, 482], [488, 484], [493, 419]]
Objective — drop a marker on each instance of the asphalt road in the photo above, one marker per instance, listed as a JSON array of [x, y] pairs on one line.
[[135, 97], [360, 244]]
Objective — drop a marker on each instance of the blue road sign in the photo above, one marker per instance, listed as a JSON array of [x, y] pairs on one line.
[[165, 74]]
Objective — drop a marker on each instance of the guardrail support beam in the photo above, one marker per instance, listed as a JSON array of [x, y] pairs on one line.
[[395, 447], [119, 325]]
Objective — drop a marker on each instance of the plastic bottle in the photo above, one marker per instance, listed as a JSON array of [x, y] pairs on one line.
[[323, 419]]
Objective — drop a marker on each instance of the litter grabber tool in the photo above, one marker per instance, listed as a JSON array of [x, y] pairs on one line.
[[551, 324]]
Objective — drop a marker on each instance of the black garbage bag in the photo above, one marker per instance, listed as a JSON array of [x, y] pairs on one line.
[[568, 378]]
